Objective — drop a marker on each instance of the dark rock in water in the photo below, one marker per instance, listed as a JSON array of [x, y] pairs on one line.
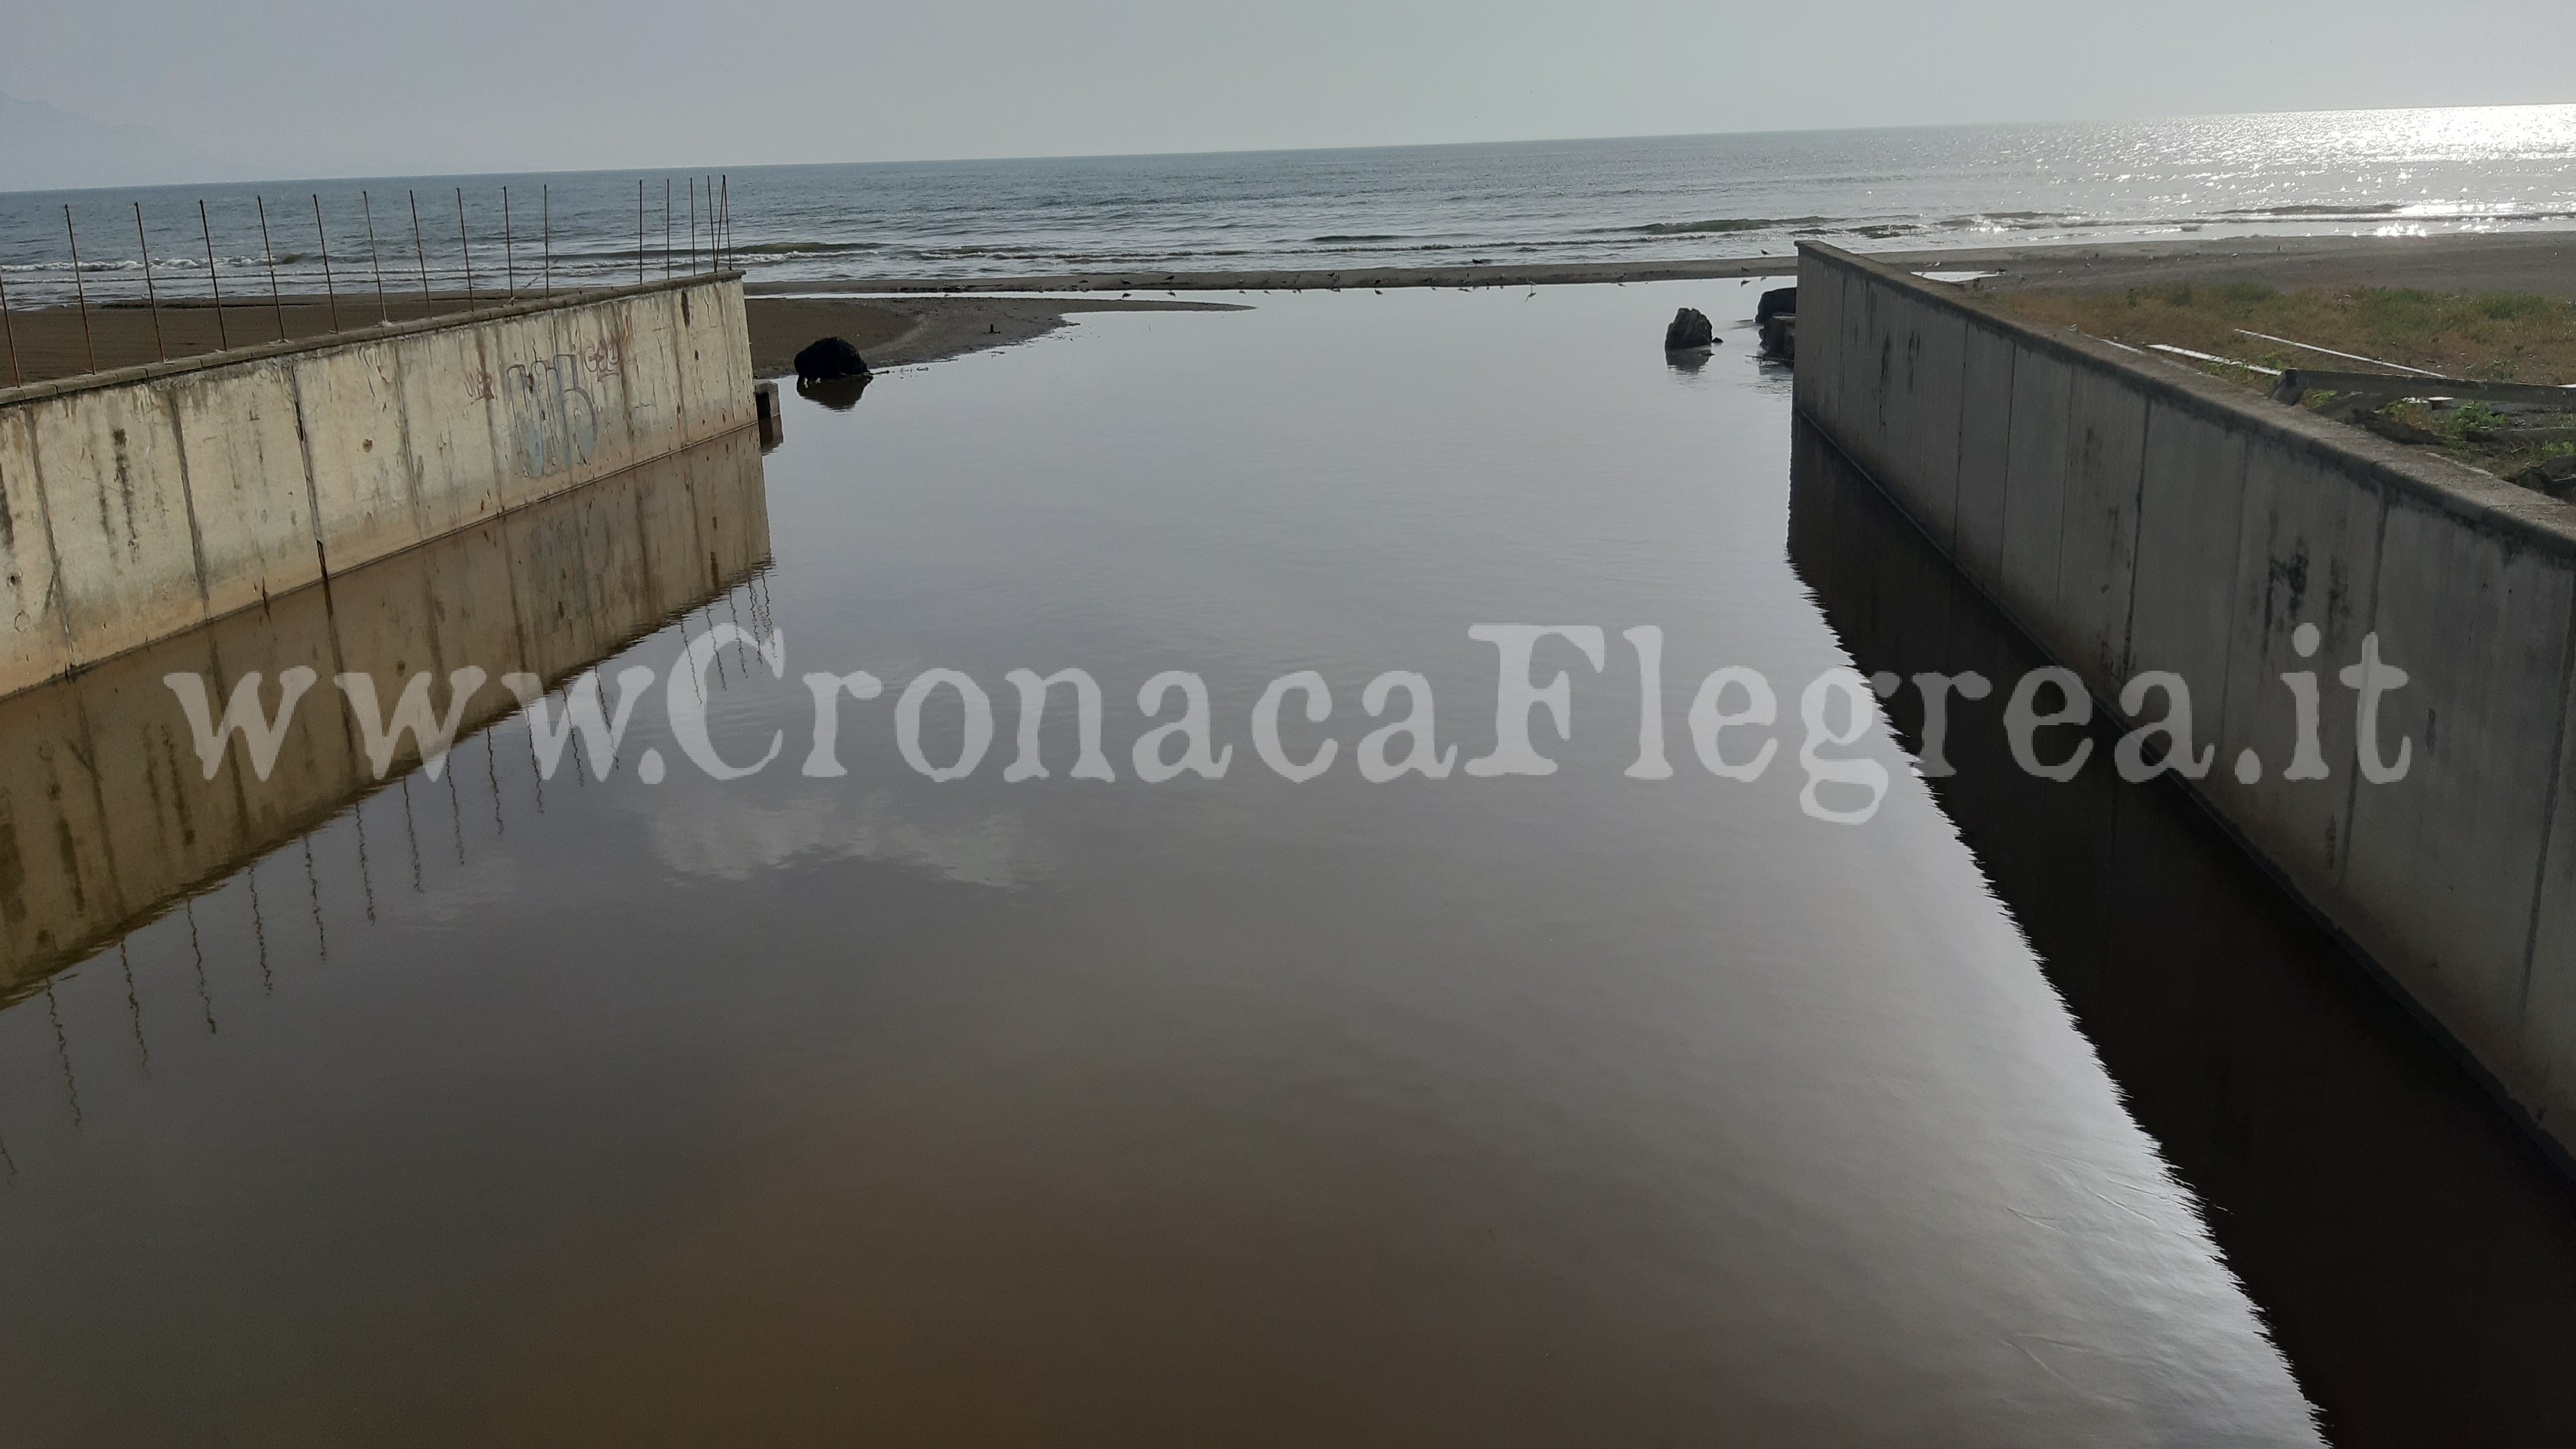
[[1780, 336], [1689, 328], [832, 357], [840, 394], [1778, 302]]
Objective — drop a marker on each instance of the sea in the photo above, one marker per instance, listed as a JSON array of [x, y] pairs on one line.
[[2378, 172]]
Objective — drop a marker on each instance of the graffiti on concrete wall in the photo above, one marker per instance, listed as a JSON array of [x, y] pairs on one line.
[[552, 417]]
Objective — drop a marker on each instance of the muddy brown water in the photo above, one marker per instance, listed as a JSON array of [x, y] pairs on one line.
[[499, 1108]]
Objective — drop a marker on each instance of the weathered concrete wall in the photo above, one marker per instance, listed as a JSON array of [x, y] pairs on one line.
[[2133, 515], [141, 503], [106, 816]]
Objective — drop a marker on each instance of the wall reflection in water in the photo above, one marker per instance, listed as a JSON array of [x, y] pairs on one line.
[[2414, 1254], [106, 817]]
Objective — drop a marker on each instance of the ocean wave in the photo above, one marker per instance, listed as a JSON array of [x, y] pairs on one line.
[[178, 263], [2388, 208], [1724, 224], [1332, 239], [808, 248]]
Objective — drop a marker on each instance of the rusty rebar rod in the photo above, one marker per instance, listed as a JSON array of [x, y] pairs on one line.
[[666, 228], [465, 245], [509, 253], [268, 255], [375, 261], [419, 253], [639, 231], [330, 291], [546, 226], [214, 279], [9, 330], [80, 289], [693, 224], [150, 291]]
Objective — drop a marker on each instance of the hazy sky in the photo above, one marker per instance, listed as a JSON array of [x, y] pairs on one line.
[[301, 87]]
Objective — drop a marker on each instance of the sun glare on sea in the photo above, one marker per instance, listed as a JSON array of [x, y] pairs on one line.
[[2461, 132]]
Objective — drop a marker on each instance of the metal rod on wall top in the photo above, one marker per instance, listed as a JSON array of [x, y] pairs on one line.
[[80, 290], [330, 291], [375, 260], [214, 279], [693, 224], [149, 290], [10, 331], [666, 228], [546, 224], [509, 253], [465, 246], [268, 254], [419, 253], [639, 231]]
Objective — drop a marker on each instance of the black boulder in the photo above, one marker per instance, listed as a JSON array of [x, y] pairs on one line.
[[831, 358], [1690, 328]]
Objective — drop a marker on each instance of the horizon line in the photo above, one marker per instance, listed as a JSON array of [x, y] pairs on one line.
[[586, 171]]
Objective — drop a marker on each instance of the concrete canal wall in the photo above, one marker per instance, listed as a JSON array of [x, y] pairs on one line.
[[140, 503], [106, 816], [2131, 515]]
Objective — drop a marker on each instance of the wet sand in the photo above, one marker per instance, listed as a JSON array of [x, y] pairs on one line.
[[892, 332]]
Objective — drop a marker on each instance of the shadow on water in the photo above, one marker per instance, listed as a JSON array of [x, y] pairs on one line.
[[106, 817], [2413, 1253]]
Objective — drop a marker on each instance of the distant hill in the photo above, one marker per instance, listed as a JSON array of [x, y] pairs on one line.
[[46, 148]]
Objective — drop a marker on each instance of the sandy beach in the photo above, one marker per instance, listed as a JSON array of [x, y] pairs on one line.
[[57, 342], [54, 342], [899, 321]]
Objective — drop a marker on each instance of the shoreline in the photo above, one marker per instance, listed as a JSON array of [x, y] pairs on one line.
[[902, 321], [1551, 274], [2516, 261]]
